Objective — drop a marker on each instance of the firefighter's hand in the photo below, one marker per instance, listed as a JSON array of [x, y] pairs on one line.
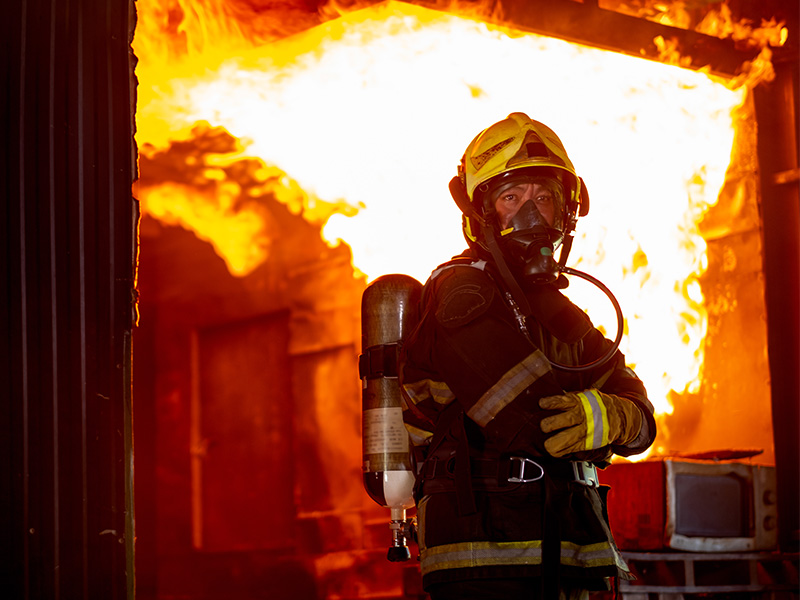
[[589, 420]]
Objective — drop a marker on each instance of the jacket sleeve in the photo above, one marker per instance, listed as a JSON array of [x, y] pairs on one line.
[[616, 378]]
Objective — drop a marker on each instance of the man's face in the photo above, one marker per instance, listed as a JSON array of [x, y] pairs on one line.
[[509, 199]]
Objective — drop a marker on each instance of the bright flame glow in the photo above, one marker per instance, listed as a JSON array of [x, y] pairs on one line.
[[372, 111]]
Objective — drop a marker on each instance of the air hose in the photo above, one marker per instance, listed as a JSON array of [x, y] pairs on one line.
[[620, 325]]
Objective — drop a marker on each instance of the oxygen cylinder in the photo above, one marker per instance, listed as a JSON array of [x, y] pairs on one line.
[[389, 312]]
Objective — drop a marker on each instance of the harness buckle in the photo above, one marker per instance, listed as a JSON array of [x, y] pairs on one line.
[[585, 473], [518, 467]]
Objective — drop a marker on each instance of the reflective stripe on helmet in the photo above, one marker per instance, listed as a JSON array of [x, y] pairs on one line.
[[508, 387], [480, 554], [596, 420]]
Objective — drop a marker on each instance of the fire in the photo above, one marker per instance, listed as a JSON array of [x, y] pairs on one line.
[[205, 185], [714, 19], [360, 122]]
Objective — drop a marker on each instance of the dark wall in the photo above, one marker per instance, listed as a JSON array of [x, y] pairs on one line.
[[779, 134], [67, 224]]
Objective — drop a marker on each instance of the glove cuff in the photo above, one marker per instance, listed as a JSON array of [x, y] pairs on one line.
[[625, 417]]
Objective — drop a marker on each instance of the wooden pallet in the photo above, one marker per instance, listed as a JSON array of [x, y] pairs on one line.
[[672, 574]]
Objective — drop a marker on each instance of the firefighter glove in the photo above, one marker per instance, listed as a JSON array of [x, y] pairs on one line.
[[589, 420]]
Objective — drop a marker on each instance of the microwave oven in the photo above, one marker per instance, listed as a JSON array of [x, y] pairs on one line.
[[692, 505]]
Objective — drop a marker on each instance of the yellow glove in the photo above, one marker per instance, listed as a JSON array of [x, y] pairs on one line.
[[590, 420]]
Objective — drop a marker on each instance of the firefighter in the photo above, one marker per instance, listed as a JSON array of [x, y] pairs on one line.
[[512, 397]]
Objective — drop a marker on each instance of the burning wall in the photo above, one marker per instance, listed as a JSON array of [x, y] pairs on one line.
[[245, 401]]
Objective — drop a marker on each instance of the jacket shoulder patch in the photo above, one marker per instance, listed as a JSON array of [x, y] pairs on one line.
[[464, 296]]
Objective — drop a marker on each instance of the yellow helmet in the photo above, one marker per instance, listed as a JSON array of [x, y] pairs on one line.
[[518, 145]]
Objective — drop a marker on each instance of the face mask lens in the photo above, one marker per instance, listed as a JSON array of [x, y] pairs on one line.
[[524, 202]]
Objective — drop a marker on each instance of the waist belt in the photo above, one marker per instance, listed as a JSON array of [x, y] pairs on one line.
[[513, 470]]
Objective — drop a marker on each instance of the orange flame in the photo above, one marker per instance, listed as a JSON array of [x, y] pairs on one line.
[[715, 20], [361, 120]]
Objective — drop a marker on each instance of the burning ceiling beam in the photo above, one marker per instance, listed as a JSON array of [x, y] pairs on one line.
[[586, 23]]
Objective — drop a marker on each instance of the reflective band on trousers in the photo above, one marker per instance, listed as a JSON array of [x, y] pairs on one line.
[[481, 554], [508, 387], [596, 420]]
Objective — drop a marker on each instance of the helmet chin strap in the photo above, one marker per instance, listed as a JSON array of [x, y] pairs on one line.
[[566, 247], [505, 272]]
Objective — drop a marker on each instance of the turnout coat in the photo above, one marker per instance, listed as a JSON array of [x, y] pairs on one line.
[[490, 501]]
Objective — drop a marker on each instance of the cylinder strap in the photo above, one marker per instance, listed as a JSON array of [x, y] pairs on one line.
[[379, 361]]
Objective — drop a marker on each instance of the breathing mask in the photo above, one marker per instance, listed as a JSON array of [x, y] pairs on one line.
[[529, 214]]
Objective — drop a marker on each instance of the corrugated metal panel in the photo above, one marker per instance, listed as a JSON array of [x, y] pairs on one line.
[[68, 227]]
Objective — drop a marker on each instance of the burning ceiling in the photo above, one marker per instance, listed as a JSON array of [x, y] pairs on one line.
[[355, 118]]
